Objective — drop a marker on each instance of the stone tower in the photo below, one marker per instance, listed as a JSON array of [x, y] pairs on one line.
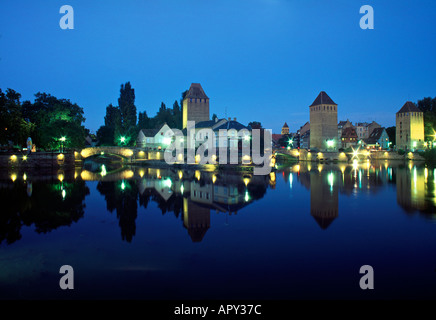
[[195, 105], [410, 127], [324, 124], [285, 129]]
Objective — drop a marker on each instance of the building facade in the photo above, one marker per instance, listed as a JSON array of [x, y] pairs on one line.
[[410, 127], [324, 123], [343, 125], [378, 138], [195, 105], [364, 129], [348, 138]]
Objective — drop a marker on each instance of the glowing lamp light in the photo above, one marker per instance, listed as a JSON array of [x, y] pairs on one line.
[[247, 138], [167, 140], [168, 183], [13, 177], [13, 157], [415, 144], [123, 186], [247, 196], [103, 170], [64, 194], [330, 143], [123, 139], [24, 158]]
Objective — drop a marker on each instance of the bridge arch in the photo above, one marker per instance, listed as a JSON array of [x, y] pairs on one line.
[[92, 151]]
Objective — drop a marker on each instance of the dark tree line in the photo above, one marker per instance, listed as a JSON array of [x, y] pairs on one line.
[[121, 126], [428, 106], [45, 120]]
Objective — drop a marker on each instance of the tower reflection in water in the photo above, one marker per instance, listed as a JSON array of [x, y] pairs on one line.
[[58, 199], [415, 185], [194, 194]]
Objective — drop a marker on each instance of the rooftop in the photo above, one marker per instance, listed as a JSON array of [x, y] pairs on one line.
[[409, 107], [196, 91], [323, 98]]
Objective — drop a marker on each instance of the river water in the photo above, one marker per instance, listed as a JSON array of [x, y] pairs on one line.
[[302, 232]]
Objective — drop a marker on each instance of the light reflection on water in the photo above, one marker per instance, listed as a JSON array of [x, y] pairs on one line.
[[237, 218]]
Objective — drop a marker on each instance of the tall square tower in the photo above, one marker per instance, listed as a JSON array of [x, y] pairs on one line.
[[410, 127], [195, 105], [324, 124]]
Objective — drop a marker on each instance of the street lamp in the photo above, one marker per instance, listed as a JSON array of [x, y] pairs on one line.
[[123, 139], [62, 139]]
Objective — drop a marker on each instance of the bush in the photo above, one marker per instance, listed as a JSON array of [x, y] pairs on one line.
[[401, 152], [429, 155]]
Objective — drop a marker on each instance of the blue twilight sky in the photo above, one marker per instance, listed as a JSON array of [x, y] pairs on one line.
[[263, 60]]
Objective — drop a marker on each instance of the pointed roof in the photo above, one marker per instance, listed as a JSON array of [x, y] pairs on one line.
[[285, 125], [323, 98], [324, 222], [196, 91], [409, 107]]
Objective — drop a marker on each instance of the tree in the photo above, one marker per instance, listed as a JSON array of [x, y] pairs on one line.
[[428, 106], [391, 131], [255, 125], [46, 120], [177, 115], [143, 120], [56, 118], [126, 103]]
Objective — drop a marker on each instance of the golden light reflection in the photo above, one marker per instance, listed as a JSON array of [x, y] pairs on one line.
[[214, 178], [141, 173], [272, 176], [13, 177], [61, 177], [246, 181], [180, 174], [197, 175], [24, 176], [320, 168]]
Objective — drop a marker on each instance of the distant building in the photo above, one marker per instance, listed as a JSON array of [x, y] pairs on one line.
[[324, 123], [91, 140], [378, 139], [364, 129], [305, 140], [285, 129], [231, 128], [275, 139], [195, 105], [349, 137], [304, 128], [342, 125], [410, 127]]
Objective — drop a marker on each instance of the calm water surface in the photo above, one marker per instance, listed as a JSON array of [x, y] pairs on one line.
[[302, 232]]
